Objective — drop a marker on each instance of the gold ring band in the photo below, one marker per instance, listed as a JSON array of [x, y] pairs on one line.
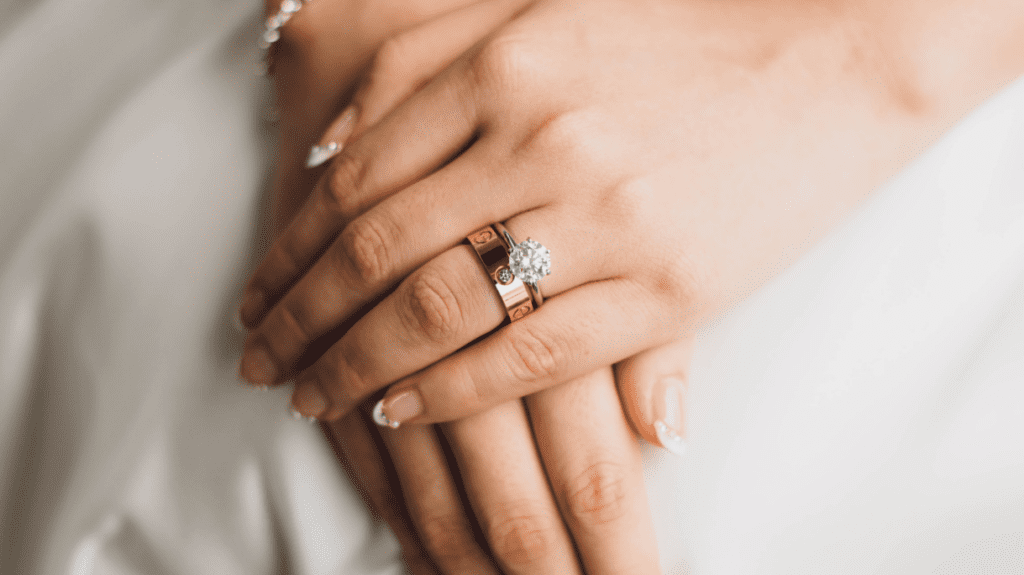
[[492, 251]]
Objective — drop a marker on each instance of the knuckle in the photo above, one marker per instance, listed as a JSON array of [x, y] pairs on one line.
[[534, 355], [390, 58], [676, 285], [432, 308], [341, 380], [447, 538], [364, 245], [295, 316], [522, 539], [498, 63], [343, 184], [598, 495]]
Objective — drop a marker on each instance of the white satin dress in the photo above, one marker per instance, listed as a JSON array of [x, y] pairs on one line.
[[862, 413]]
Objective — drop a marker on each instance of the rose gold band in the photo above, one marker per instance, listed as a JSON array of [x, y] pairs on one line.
[[491, 249]]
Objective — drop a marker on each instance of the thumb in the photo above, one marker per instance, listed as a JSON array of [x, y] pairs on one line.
[[652, 386]]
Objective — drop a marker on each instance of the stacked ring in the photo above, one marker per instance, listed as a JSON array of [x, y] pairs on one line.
[[529, 261], [493, 253], [514, 268]]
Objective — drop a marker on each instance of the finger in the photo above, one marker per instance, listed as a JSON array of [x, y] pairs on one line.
[[506, 484], [437, 310], [653, 386], [420, 135], [385, 244], [570, 335], [370, 256], [434, 503], [405, 63], [593, 462], [354, 446]]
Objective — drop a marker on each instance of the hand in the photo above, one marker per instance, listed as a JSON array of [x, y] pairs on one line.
[[593, 463], [672, 155]]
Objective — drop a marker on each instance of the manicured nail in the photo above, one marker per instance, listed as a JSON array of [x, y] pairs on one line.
[[236, 321], [257, 367], [668, 414], [252, 303], [308, 400], [333, 140], [396, 410], [296, 415], [320, 154]]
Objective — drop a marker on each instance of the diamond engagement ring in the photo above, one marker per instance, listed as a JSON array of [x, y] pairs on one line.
[[492, 251], [529, 261]]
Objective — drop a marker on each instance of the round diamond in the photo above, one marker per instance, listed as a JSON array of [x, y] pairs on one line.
[[505, 276], [530, 261], [290, 6], [271, 36]]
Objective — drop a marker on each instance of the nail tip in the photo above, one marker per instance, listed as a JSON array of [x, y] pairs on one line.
[[669, 439], [236, 321], [382, 420], [297, 415], [318, 155]]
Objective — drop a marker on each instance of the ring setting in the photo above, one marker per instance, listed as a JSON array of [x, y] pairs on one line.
[[530, 261], [514, 268]]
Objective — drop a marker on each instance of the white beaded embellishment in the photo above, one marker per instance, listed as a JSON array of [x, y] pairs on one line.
[[272, 31]]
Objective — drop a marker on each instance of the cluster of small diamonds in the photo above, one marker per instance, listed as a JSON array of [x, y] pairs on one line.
[[272, 33]]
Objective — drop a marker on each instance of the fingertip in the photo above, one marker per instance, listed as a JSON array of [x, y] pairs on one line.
[[668, 399], [334, 138], [319, 154], [308, 401]]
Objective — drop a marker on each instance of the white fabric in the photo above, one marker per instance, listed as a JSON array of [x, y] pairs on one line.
[[863, 413]]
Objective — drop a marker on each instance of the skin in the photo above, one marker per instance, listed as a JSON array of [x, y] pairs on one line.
[[520, 513], [649, 129]]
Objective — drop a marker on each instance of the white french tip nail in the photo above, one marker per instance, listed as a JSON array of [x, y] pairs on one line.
[[248, 386], [318, 155], [296, 415], [669, 439], [382, 420]]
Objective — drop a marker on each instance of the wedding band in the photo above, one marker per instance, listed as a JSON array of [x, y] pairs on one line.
[[529, 261], [493, 253]]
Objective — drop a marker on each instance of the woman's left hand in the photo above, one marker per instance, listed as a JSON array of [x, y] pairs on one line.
[[673, 156]]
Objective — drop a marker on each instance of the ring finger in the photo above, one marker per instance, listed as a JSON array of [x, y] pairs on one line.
[[437, 310]]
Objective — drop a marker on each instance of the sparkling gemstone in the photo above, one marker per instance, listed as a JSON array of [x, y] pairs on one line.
[[505, 275], [290, 6], [276, 21], [271, 36], [530, 261]]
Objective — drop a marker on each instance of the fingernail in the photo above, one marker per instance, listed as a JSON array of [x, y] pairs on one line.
[[333, 140], [668, 414], [236, 321], [252, 302], [250, 387], [296, 415], [308, 400], [257, 367], [394, 411], [319, 154]]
